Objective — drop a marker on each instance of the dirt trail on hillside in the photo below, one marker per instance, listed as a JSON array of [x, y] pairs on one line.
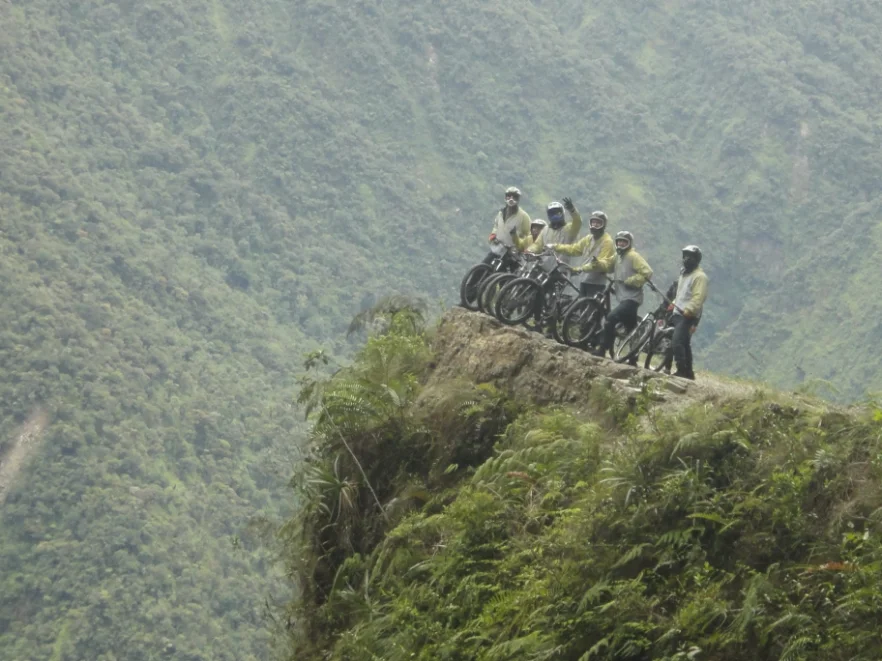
[[13, 458]]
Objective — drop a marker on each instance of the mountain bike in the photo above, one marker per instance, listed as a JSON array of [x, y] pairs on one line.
[[584, 318], [490, 287], [505, 260], [540, 296], [650, 335]]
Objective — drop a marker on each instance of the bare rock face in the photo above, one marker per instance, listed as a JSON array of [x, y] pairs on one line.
[[479, 347]]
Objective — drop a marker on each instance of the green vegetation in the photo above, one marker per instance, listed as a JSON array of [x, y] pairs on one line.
[[193, 195], [750, 529]]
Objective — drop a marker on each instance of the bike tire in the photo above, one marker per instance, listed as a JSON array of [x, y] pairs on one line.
[[658, 355], [490, 288], [581, 322], [628, 348], [469, 287], [518, 300]]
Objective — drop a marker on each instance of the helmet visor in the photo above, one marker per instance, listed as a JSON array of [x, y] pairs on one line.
[[512, 196], [556, 216], [623, 243], [596, 223]]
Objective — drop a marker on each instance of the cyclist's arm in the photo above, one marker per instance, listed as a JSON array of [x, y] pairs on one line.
[[575, 225], [643, 274], [571, 248]]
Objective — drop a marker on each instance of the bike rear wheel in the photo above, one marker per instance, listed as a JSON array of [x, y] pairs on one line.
[[626, 349], [518, 301], [581, 322], [489, 290], [469, 288], [659, 354]]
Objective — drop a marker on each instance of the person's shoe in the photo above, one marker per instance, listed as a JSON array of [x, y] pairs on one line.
[[685, 375]]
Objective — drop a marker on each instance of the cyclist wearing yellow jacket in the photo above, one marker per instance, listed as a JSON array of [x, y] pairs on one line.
[[631, 273], [598, 252], [688, 304], [536, 227]]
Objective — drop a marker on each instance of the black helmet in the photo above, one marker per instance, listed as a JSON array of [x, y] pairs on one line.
[[627, 238], [600, 217], [691, 257], [556, 215]]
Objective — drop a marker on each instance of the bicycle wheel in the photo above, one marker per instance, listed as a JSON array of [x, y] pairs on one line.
[[660, 353], [627, 348], [468, 289], [489, 290], [581, 321], [518, 301], [556, 315]]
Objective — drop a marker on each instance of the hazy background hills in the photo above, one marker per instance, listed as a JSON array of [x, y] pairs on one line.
[[194, 195]]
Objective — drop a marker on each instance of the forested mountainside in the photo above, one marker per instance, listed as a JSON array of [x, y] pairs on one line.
[[193, 195], [553, 505]]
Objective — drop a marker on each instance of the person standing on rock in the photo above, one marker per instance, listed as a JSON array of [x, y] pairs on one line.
[[510, 220], [687, 307], [598, 253], [631, 273]]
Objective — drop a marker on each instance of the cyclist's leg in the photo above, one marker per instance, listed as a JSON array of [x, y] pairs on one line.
[[682, 342]]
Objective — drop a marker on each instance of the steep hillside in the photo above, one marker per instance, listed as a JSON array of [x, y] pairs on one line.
[[193, 195], [554, 505]]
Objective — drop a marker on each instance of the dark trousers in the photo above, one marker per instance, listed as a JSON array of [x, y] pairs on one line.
[[588, 289], [624, 313], [682, 343], [489, 258]]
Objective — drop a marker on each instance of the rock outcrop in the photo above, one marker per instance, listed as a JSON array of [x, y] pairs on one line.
[[479, 347]]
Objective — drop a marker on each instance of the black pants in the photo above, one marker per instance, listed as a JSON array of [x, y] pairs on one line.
[[489, 258], [624, 313], [589, 289], [682, 343]]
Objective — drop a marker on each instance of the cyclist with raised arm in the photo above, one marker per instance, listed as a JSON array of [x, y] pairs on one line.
[[687, 307], [598, 253], [510, 221], [559, 230], [631, 272]]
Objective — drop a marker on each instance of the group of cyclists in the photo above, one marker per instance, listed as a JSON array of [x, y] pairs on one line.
[[600, 258]]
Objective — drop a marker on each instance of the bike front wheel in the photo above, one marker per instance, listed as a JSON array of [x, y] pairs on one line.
[[490, 289], [581, 322], [518, 301], [628, 347], [470, 286]]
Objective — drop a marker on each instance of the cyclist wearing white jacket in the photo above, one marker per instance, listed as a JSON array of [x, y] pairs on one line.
[[688, 305]]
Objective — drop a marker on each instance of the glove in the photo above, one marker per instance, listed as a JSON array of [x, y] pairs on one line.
[[568, 204], [671, 307], [551, 246], [492, 237], [688, 314]]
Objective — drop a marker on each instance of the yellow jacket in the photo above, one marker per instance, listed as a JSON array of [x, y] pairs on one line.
[[692, 293], [631, 273], [602, 249]]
